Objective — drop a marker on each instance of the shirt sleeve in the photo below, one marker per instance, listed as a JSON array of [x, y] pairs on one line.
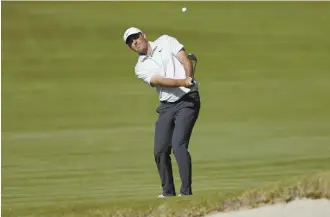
[[144, 75], [175, 45]]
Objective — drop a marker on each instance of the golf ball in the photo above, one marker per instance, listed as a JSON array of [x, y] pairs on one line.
[[184, 9]]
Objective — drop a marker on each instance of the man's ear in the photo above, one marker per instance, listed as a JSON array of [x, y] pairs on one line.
[[144, 36]]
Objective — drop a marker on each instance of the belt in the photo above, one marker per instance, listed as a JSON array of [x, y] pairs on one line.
[[180, 99]]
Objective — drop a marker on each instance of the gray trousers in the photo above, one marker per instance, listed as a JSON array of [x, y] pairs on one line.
[[173, 131]]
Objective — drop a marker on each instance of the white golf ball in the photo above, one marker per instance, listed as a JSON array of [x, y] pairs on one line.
[[184, 9]]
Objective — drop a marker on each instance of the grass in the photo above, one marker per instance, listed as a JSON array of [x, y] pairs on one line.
[[313, 186], [77, 126]]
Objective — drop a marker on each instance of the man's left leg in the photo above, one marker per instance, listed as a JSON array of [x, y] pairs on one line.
[[185, 119]]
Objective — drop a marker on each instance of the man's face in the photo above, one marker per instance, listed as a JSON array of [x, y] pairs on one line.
[[137, 42]]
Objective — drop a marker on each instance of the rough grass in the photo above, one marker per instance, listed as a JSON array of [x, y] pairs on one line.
[[310, 186], [314, 186]]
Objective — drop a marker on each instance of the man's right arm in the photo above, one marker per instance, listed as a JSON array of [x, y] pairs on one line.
[[153, 79], [157, 80]]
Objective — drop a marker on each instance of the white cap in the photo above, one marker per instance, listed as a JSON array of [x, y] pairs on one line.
[[131, 31]]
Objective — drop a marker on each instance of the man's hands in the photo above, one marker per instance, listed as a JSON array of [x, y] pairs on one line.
[[188, 82], [158, 80]]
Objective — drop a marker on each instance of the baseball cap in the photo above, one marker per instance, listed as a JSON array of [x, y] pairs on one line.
[[131, 31]]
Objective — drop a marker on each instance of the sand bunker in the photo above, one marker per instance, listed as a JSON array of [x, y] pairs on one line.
[[297, 208]]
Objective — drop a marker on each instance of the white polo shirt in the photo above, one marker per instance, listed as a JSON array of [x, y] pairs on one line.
[[163, 61]]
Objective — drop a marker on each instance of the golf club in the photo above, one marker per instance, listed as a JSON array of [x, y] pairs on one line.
[[192, 57]]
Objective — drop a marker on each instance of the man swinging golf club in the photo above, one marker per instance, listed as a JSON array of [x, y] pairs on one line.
[[164, 65]]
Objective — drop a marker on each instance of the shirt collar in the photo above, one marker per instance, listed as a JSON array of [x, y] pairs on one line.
[[153, 47]]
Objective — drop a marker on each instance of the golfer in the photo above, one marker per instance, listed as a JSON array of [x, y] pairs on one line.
[[164, 65]]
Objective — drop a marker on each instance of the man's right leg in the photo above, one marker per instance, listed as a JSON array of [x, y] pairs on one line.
[[162, 148]]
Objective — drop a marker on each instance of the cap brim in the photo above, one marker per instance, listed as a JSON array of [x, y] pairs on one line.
[[133, 33]]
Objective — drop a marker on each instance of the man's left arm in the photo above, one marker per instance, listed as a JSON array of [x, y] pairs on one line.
[[179, 51], [183, 58]]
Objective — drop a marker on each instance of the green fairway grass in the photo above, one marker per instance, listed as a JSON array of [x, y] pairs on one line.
[[77, 125]]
